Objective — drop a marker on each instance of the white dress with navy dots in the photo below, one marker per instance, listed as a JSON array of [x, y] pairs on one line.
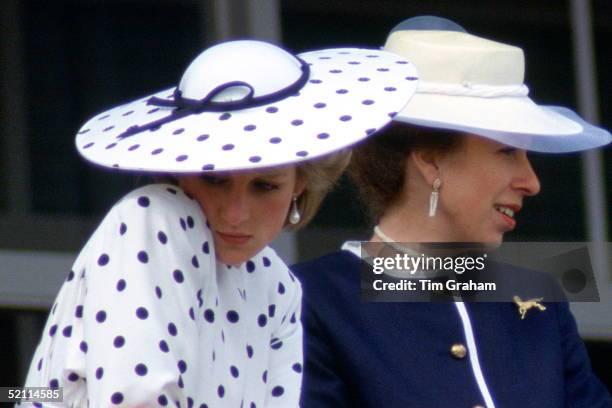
[[148, 318]]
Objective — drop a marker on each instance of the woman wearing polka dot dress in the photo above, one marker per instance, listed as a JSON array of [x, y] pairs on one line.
[[176, 300]]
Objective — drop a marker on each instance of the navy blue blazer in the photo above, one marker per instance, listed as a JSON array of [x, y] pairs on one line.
[[362, 354]]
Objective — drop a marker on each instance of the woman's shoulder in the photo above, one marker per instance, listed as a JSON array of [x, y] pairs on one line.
[[158, 204], [155, 197], [338, 262], [157, 212], [329, 275]]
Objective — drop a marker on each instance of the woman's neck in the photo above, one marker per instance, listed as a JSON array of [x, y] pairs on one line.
[[407, 225]]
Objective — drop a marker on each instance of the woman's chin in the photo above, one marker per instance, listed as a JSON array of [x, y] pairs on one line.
[[494, 240]]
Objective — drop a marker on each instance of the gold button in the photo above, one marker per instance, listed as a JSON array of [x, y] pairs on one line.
[[478, 406], [458, 350]]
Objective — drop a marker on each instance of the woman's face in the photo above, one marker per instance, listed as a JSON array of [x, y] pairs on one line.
[[245, 210], [483, 186]]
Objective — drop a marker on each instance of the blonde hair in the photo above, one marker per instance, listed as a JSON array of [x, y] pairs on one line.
[[320, 175]]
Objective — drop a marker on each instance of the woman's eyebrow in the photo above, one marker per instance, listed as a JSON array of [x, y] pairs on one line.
[[271, 175]]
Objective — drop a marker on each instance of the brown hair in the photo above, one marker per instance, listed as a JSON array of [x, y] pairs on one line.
[[378, 166]]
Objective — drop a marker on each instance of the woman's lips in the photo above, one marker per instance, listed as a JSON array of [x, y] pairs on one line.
[[507, 213], [233, 238], [509, 221]]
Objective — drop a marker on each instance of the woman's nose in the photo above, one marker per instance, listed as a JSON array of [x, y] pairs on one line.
[[527, 180], [235, 207]]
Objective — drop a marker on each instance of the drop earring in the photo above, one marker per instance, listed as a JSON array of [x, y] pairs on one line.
[[294, 214], [433, 197]]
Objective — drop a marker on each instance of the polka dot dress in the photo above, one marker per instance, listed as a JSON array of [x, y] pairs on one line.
[[148, 317]]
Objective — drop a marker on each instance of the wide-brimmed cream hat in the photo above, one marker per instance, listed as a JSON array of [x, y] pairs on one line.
[[249, 104], [474, 85]]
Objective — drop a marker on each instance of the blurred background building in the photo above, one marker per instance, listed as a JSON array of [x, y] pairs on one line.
[[62, 61]]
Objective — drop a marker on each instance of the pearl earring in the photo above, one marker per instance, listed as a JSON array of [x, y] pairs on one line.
[[294, 214], [433, 197]]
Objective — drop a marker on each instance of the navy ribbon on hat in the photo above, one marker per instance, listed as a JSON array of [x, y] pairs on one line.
[[186, 106]]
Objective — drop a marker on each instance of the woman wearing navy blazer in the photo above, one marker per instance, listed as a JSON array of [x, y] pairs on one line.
[[452, 168]]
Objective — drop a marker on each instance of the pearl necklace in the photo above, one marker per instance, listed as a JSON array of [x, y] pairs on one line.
[[383, 236], [393, 243]]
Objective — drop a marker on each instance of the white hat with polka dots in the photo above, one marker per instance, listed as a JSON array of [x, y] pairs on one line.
[[249, 104]]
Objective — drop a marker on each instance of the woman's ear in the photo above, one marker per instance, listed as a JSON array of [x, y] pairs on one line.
[[426, 162]]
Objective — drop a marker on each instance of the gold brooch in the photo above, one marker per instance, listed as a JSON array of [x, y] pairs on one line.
[[524, 306]]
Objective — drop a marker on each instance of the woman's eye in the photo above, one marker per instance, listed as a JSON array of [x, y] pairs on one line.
[[265, 186], [507, 150]]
